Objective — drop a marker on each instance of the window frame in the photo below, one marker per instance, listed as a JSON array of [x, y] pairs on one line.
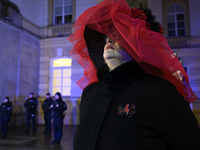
[[175, 14], [185, 5], [52, 68], [63, 12]]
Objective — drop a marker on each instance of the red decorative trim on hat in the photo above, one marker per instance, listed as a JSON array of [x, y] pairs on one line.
[[161, 29], [137, 13]]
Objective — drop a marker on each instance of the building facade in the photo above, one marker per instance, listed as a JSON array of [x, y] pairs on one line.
[[35, 50]]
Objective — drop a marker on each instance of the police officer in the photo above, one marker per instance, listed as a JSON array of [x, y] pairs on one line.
[[46, 106], [58, 107], [5, 111], [30, 105]]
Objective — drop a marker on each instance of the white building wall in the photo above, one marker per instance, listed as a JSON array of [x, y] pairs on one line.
[[29, 9], [194, 17], [156, 7], [19, 65], [82, 5], [35, 14], [43, 13]]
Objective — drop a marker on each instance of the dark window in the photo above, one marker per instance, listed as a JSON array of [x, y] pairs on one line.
[[62, 11], [58, 20], [180, 24], [180, 17], [68, 18], [175, 20], [171, 33], [171, 25], [181, 32]]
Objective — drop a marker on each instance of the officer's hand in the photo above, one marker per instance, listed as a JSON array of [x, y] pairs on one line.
[[57, 105], [51, 106], [32, 106]]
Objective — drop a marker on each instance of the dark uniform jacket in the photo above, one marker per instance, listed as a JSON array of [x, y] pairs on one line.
[[46, 105], [6, 108], [31, 105], [129, 110], [58, 111]]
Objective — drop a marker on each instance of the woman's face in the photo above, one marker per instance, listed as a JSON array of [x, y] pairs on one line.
[[57, 96], [114, 55], [5, 100]]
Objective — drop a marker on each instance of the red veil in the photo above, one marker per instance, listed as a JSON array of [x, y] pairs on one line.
[[150, 49]]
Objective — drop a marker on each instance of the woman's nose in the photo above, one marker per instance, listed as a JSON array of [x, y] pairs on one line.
[[110, 41]]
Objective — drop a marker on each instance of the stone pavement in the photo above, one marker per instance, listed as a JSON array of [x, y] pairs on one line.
[[18, 140]]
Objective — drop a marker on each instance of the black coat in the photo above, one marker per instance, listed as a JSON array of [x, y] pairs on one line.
[[58, 111], [46, 105], [6, 108], [30, 105], [160, 118]]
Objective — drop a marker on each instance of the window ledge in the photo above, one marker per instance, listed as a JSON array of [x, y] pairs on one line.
[[60, 30], [182, 42]]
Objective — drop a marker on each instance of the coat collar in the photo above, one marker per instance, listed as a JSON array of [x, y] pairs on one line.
[[121, 76]]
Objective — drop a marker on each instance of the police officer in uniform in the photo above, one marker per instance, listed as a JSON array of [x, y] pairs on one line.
[[46, 106], [30, 105], [58, 107], [5, 111]]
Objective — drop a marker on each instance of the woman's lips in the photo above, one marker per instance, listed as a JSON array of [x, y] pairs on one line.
[[109, 47]]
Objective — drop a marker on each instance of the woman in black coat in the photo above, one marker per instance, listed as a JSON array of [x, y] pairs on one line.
[[5, 111], [134, 98], [58, 107]]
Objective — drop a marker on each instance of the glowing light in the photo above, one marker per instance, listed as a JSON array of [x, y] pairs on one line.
[[67, 62], [57, 73], [62, 76], [57, 63], [66, 82], [66, 91], [56, 82], [56, 89], [67, 72], [63, 62]]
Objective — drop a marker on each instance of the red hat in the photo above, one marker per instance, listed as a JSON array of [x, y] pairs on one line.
[[129, 28]]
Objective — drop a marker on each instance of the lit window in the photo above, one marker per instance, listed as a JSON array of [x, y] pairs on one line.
[[175, 20], [62, 11], [61, 76]]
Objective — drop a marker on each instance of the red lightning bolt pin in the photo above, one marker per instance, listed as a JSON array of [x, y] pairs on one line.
[[127, 109]]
